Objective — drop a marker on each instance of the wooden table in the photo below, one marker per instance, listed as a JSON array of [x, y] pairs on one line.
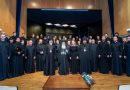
[[67, 82]]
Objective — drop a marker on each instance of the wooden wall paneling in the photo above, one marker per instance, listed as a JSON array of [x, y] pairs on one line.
[[120, 14], [23, 22], [106, 27], [7, 19], [128, 13]]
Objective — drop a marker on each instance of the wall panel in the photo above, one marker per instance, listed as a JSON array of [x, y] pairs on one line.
[[7, 19], [121, 19], [128, 13]]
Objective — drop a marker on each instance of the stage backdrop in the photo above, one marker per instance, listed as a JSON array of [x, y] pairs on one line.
[[74, 4], [121, 12]]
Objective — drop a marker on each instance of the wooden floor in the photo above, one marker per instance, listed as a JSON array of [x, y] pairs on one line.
[[36, 81]]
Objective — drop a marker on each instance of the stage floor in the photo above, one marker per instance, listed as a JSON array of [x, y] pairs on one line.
[[36, 81]]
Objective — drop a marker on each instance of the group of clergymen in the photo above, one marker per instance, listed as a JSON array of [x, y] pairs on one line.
[[65, 54]]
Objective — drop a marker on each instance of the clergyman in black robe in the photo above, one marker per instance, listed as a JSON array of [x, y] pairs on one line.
[[23, 47], [128, 57], [30, 56], [68, 48], [57, 53], [11, 51], [40, 55], [116, 57], [84, 58], [109, 57], [63, 60], [102, 55], [74, 58], [17, 60], [93, 56], [49, 63], [3, 58], [124, 55]]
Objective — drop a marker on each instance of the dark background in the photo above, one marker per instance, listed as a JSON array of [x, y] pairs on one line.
[[88, 22]]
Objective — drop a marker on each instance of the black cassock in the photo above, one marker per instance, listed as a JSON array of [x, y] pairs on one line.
[[74, 62], [84, 58], [4, 60], [11, 52], [93, 57], [110, 56], [50, 62], [17, 67], [123, 58], [116, 60], [68, 54], [41, 56], [128, 58], [57, 54], [63, 62], [23, 55], [103, 61], [30, 62]]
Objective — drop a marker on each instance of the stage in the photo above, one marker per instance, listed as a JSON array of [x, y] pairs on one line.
[[36, 81]]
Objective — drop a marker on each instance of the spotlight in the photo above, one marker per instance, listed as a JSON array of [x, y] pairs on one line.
[[90, 6], [73, 26], [65, 25], [34, 4], [58, 25], [48, 24], [69, 7]]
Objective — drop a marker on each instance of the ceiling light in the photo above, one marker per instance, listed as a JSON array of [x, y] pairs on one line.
[[90, 6], [48, 24], [34, 4], [57, 24], [73, 26], [69, 7], [65, 25]]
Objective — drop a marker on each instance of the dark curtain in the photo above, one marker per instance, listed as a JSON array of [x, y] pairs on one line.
[[18, 15], [111, 13]]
